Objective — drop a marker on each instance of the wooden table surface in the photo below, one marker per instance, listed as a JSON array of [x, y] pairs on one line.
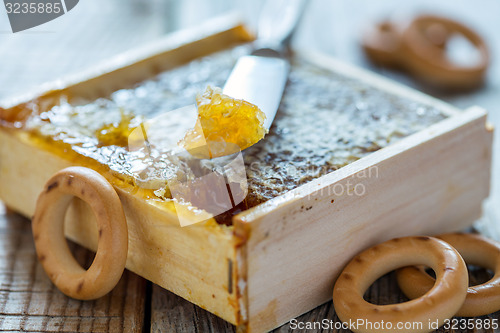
[[30, 302], [96, 30]]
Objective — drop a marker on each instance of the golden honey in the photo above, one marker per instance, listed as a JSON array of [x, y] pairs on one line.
[[224, 125]]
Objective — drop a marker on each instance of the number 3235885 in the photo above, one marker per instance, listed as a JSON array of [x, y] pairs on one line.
[[470, 323], [33, 8]]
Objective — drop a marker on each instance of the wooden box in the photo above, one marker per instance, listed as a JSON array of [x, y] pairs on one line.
[[280, 258]]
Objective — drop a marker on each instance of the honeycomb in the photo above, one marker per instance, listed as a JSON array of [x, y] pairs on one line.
[[225, 125], [116, 134], [325, 122]]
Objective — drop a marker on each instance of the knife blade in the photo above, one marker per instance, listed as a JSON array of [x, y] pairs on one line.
[[259, 80]]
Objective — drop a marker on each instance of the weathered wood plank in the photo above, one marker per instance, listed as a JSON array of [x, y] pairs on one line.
[[30, 302], [383, 291], [171, 313]]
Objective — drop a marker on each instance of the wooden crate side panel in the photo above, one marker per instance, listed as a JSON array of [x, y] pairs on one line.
[[197, 262], [429, 183], [191, 261], [173, 51]]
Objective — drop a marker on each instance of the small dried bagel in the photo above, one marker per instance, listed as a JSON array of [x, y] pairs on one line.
[[441, 302], [481, 299], [52, 248]]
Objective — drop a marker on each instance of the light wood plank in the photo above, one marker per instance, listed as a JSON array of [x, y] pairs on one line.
[[194, 262], [435, 181], [384, 291], [170, 313]]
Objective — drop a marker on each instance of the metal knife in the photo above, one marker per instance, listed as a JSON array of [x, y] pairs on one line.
[[260, 78]]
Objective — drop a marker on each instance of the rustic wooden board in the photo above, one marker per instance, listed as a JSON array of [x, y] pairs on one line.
[[30, 302], [383, 291], [170, 313]]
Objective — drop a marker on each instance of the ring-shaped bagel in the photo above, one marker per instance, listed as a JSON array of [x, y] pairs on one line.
[[481, 299], [52, 248], [438, 304], [431, 63]]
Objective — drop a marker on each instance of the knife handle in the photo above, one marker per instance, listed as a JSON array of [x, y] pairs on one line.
[[277, 23]]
